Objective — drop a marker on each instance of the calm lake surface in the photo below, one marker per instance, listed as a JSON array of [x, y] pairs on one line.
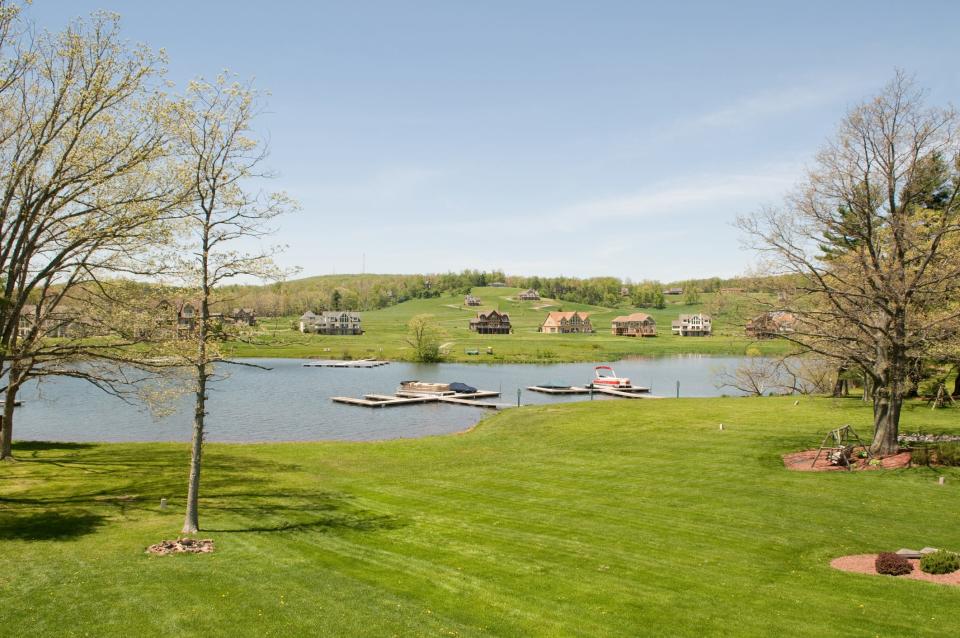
[[292, 403]]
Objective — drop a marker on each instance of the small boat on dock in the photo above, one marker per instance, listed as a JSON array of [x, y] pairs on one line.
[[419, 392], [605, 377]]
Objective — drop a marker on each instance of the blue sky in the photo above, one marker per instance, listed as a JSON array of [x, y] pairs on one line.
[[551, 138]]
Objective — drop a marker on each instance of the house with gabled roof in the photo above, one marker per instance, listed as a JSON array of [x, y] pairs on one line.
[[698, 325], [492, 322], [529, 295], [771, 324], [566, 323], [638, 324]]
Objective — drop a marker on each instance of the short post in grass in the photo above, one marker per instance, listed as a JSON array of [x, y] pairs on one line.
[[941, 480], [518, 397], [678, 388]]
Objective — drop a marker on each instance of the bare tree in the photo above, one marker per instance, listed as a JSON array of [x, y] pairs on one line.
[[84, 149], [221, 160], [872, 234], [755, 376]]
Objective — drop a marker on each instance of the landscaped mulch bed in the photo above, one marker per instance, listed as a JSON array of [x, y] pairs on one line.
[[865, 564], [182, 546], [800, 462]]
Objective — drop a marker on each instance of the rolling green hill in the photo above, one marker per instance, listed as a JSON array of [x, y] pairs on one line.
[[386, 332]]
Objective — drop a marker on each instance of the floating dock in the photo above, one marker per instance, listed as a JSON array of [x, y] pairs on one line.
[[633, 392], [336, 363], [414, 398]]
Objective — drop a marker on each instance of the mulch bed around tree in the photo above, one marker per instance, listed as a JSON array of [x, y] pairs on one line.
[[865, 564], [182, 546], [800, 462]]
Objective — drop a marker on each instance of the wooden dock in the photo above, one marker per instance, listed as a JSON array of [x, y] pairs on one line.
[[336, 363], [634, 392], [415, 398]]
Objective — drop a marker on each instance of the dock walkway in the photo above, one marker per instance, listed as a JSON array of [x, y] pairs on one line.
[[337, 363]]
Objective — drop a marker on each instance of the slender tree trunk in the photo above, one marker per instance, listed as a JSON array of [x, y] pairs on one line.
[[10, 401], [191, 524], [956, 384], [840, 387]]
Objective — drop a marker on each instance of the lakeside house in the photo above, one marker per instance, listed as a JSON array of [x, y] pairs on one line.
[[243, 316], [331, 323], [638, 324], [58, 324], [183, 316], [673, 291], [771, 324], [492, 322], [566, 323], [624, 291], [698, 325], [529, 295], [470, 300]]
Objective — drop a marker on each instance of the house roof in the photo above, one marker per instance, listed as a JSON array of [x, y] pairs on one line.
[[554, 318], [490, 313], [637, 316]]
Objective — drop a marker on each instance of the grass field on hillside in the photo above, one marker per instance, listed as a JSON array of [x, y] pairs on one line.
[[386, 332], [589, 519]]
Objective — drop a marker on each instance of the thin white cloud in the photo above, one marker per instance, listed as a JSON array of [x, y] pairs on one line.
[[692, 194]]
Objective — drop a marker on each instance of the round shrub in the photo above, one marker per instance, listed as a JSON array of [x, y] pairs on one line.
[[940, 562], [893, 564]]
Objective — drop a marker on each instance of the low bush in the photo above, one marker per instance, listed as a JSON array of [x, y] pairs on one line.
[[920, 456], [948, 453], [940, 562], [893, 564]]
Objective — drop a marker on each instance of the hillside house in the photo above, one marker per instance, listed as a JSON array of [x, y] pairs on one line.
[[331, 323], [183, 316], [470, 300], [57, 324], [243, 316], [698, 325], [673, 291], [493, 322], [771, 324], [566, 323], [624, 291], [529, 295], [638, 324]]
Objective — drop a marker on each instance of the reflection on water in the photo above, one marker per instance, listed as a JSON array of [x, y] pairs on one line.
[[292, 403]]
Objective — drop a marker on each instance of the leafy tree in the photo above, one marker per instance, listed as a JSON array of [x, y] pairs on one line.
[[872, 237], [220, 158], [423, 335]]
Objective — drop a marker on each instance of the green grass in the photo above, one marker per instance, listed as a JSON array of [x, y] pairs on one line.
[[590, 519], [386, 332]]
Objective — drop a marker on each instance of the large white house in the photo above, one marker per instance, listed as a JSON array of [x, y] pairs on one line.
[[698, 325]]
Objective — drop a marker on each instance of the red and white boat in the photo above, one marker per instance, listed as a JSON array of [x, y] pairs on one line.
[[605, 376]]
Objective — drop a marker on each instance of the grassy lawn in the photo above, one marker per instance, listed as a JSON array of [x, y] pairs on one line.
[[611, 518], [386, 331]]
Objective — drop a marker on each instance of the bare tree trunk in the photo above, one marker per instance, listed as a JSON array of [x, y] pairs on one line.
[[191, 524], [840, 387], [886, 422], [10, 401], [956, 384]]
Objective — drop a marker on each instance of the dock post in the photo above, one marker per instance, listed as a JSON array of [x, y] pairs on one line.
[[678, 388], [518, 397]]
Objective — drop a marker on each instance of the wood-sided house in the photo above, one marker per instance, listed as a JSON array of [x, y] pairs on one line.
[[339, 322], [529, 295], [698, 325], [470, 300], [638, 324], [243, 316], [771, 324], [492, 322], [183, 316], [566, 323]]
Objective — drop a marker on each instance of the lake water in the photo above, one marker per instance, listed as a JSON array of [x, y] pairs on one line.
[[292, 403]]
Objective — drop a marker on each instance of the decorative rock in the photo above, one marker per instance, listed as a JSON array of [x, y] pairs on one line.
[[909, 553], [929, 550]]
